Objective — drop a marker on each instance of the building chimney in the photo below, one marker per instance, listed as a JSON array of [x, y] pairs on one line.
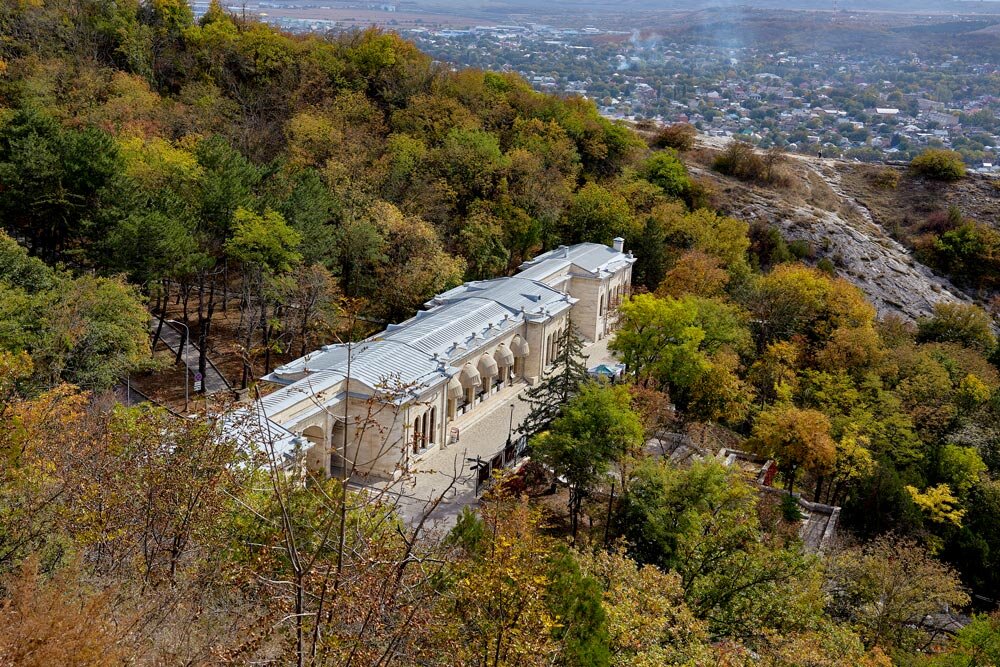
[[619, 244]]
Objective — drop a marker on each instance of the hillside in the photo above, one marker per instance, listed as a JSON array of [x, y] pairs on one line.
[[865, 229]]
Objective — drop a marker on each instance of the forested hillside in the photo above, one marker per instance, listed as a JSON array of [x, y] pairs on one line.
[[291, 184]]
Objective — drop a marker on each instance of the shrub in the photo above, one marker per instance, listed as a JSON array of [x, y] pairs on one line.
[[801, 249], [939, 165], [790, 509], [743, 162], [679, 136], [700, 194], [826, 265], [885, 178], [767, 246], [940, 222], [965, 324], [665, 170], [739, 160]]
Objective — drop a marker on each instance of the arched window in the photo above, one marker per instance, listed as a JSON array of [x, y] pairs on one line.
[[432, 432], [416, 435]]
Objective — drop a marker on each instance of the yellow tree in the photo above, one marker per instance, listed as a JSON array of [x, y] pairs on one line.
[[886, 589], [499, 595], [649, 621], [796, 438], [694, 272]]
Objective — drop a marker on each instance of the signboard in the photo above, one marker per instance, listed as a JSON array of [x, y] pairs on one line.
[[197, 381]]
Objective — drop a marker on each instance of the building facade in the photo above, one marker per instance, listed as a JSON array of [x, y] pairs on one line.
[[379, 405]]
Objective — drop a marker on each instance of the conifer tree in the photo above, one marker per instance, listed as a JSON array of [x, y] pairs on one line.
[[561, 384]]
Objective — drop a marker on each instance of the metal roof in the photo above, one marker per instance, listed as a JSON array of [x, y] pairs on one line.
[[420, 353], [589, 258], [415, 353], [250, 429]]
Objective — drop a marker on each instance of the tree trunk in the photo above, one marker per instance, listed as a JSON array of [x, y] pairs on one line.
[[180, 348], [248, 322], [184, 303], [299, 614], [162, 299], [225, 286], [204, 327], [574, 510], [833, 493], [265, 327]]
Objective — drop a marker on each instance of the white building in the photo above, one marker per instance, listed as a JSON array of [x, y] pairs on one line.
[[398, 395]]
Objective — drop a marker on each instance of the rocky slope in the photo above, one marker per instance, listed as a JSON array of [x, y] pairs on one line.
[[819, 207]]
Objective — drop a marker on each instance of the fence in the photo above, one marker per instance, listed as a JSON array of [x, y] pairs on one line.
[[505, 458]]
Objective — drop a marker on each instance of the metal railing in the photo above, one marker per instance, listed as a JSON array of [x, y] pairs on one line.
[[505, 458]]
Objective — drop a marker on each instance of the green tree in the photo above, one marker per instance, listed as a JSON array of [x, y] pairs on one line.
[[264, 242], [702, 523], [961, 468], [414, 262], [560, 385], [593, 429], [19, 269], [53, 178], [674, 341], [90, 331], [966, 324], [976, 645], [798, 300], [266, 247], [596, 214], [96, 331], [472, 162], [306, 204], [970, 253], [228, 184], [717, 235], [574, 599], [649, 622], [664, 169], [975, 547], [499, 611], [482, 240]]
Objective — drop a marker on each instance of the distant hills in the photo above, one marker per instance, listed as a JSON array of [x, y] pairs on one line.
[[602, 6]]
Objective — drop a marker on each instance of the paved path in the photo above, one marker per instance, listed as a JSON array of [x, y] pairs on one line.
[[483, 432], [171, 336]]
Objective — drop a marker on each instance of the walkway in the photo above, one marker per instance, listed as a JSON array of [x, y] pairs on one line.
[[171, 336]]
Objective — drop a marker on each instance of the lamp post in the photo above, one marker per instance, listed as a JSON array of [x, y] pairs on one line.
[[510, 428], [187, 371]]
